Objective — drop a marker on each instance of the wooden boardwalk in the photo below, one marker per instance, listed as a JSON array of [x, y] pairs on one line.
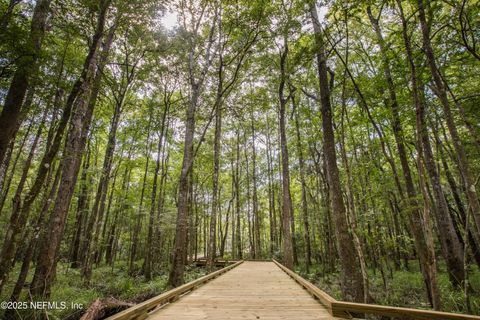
[[261, 290], [253, 290]]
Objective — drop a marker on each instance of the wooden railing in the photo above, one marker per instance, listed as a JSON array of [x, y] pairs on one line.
[[141, 310], [344, 310], [326, 300], [217, 263]]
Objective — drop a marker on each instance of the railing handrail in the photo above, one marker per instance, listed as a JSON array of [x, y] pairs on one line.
[[343, 309], [325, 299]]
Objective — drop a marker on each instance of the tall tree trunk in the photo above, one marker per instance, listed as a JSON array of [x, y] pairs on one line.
[[212, 242], [178, 265], [32, 241], [301, 163], [451, 246], [385, 146], [351, 208], [96, 86], [110, 239], [271, 195], [441, 92], [6, 161], [98, 210], [426, 255], [178, 261], [287, 210], [4, 185], [74, 146], [8, 250], [21, 211], [460, 220], [234, 201], [225, 233], [152, 215], [351, 279], [230, 212], [238, 239], [106, 243], [157, 252], [251, 234], [140, 213], [256, 218], [82, 207], [24, 76], [53, 144]]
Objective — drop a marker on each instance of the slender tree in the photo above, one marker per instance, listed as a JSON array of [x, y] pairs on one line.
[[351, 280]]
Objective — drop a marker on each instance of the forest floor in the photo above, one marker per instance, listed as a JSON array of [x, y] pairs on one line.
[[404, 288], [106, 282], [396, 288]]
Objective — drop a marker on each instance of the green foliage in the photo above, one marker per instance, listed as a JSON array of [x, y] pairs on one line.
[[151, 70], [404, 289]]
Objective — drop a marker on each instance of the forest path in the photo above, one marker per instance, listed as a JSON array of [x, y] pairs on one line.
[[253, 290]]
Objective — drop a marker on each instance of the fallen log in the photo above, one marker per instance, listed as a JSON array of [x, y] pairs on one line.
[[99, 308]]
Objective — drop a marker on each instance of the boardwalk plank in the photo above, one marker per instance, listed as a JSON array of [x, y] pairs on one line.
[[253, 290]]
